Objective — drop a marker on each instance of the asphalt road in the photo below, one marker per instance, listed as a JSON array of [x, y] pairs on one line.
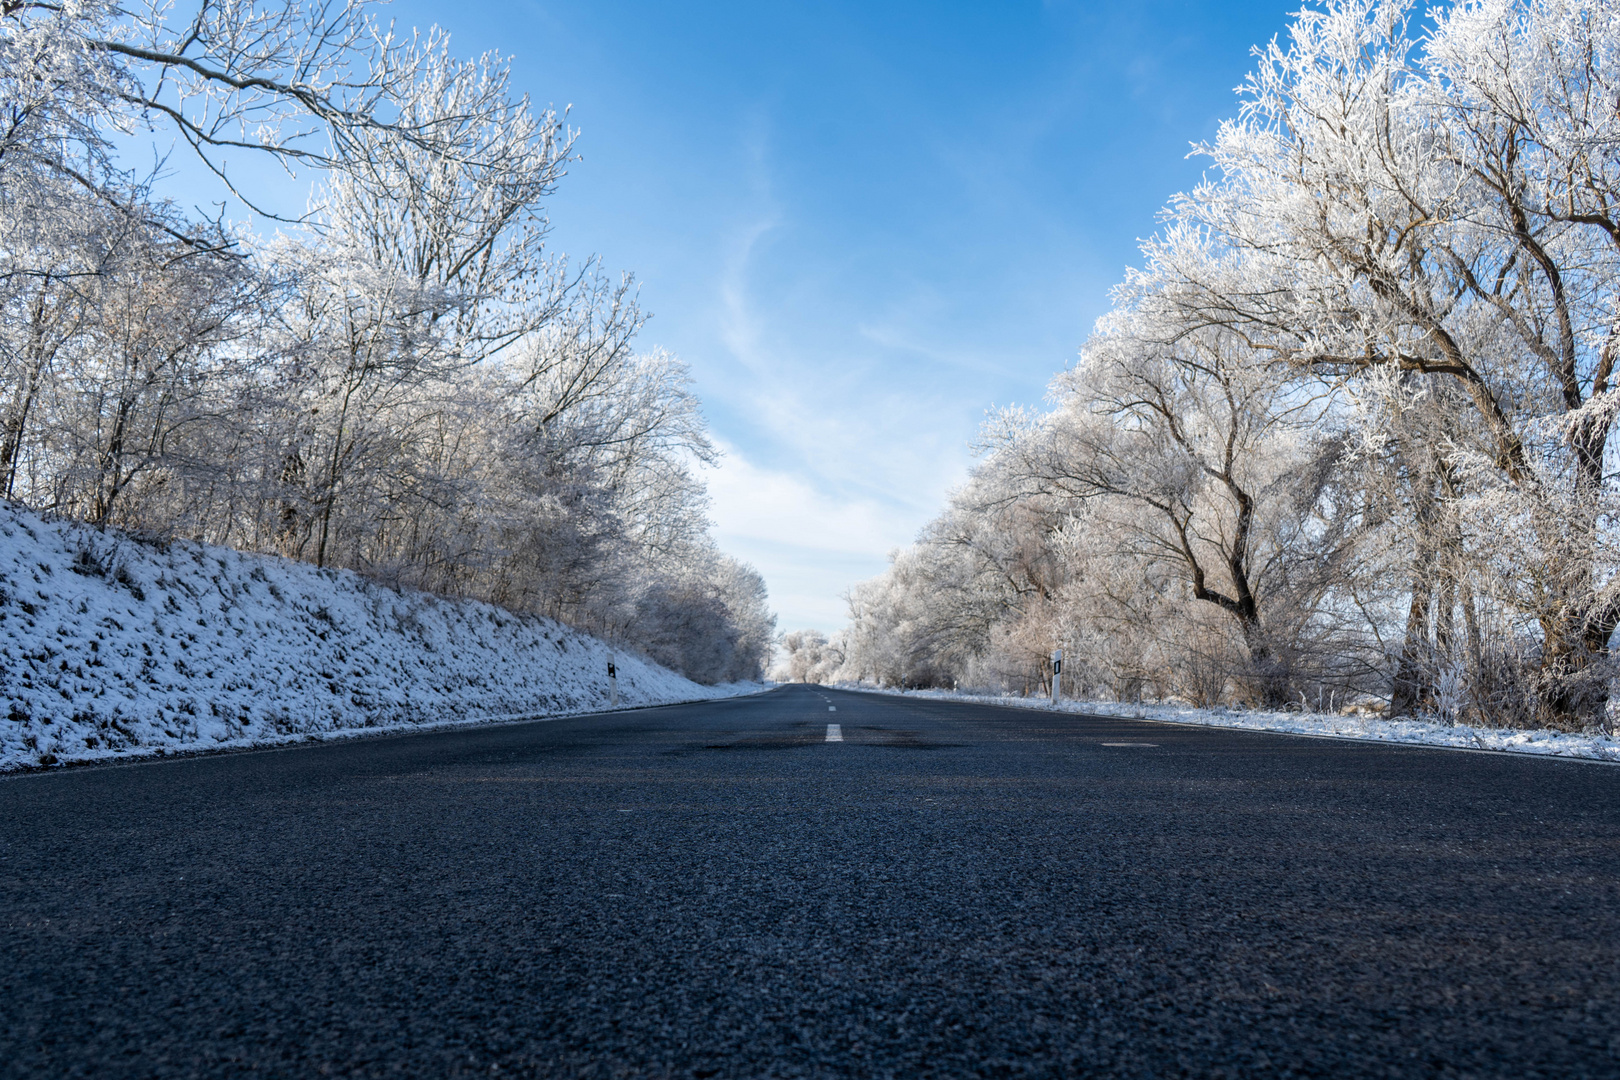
[[717, 890]]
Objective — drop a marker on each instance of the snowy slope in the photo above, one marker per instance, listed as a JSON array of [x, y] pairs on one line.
[[112, 647], [1594, 747]]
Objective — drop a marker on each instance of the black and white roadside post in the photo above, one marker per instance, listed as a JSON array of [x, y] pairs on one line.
[[1057, 672], [613, 682]]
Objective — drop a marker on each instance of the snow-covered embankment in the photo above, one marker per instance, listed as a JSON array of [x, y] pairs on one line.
[[112, 647]]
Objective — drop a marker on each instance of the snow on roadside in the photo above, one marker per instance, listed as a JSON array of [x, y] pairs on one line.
[[111, 647], [1411, 732]]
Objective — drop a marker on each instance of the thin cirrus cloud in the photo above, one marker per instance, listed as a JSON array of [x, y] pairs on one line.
[[848, 490], [833, 510], [810, 545]]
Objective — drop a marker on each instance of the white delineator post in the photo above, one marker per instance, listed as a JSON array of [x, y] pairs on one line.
[[1057, 671], [613, 682]]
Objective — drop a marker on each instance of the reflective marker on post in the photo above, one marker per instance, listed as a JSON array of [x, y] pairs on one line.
[[613, 682], [1057, 671]]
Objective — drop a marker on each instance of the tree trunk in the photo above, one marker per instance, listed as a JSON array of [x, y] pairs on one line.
[[1268, 669], [1413, 677]]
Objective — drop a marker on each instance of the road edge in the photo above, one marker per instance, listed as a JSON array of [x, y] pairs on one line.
[[309, 740], [1357, 740]]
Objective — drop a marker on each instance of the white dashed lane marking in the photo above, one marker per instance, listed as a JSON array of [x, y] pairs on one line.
[[835, 733], [1130, 744], [832, 708]]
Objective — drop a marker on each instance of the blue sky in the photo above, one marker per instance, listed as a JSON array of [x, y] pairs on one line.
[[864, 224]]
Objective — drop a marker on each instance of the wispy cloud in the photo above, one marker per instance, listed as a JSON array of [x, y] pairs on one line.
[[740, 329], [810, 544], [839, 467], [756, 503]]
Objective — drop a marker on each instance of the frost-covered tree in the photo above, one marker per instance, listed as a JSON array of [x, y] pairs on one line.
[[1205, 458], [1439, 208], [1411, 225], [404, 381], [1178, 472], [809, 656]]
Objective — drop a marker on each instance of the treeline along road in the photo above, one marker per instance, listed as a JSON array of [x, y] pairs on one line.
[[724, 890]]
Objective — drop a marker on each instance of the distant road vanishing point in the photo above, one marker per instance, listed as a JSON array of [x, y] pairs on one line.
[[728, 890]]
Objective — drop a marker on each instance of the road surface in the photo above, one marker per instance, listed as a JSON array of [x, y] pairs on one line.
[[721, 890]]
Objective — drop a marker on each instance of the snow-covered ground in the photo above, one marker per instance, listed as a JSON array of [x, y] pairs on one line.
[[1417, 732], [111, 648]]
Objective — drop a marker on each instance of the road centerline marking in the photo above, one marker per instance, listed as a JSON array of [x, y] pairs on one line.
[[835, 733]]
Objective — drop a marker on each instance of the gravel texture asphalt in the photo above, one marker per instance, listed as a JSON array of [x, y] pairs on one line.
[[717, 890]]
